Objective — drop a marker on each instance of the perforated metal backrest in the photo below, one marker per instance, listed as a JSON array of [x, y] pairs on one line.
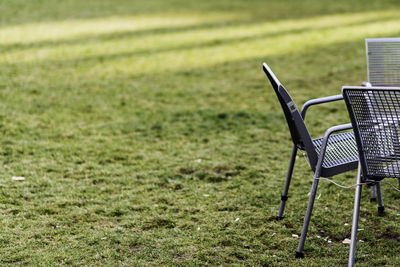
[[383, 61], [375, 116], [298, 130]]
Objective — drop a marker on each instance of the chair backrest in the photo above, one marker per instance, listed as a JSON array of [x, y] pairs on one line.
[[298, 130], [375, 115], [383, 61]]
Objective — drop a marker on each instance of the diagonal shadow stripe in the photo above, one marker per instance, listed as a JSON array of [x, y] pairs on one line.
[[20, 12], [228, 23], [93, 59]]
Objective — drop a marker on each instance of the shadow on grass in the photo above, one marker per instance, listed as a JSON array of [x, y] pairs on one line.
[[186, 116], [23, 12], [120, 35], [64, 64], [177, 29], [189, 120]]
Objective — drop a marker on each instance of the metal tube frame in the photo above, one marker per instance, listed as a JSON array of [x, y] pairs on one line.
[[356, 212], [314, 187], [285, 192], [381, 208], [373, 193]]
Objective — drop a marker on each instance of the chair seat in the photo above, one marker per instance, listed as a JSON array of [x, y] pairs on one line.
[[341, 149]]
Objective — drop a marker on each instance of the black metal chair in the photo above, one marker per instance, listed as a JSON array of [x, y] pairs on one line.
[[330, 155], [375, 115]]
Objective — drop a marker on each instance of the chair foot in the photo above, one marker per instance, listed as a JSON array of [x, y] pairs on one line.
[[381, 211], [279, 218], [372, 199], [299, 255]]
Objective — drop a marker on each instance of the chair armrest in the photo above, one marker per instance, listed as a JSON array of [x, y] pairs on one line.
[[366, 84], [318, 101], [327, 134], [337, 128], [333, 129]]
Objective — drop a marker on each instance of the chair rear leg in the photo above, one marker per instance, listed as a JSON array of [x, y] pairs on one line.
[[300, 248], [381, 208], [356, 212], [285, 192], [373, 193]]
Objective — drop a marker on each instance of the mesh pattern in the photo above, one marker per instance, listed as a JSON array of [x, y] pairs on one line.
[[341, 149], [384, 62], [375, 115]]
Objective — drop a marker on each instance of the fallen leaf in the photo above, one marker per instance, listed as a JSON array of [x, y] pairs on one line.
[[346, 241]]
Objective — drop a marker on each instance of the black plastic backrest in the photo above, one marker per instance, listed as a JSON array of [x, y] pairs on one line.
[[375, 115], [298, 130], [292, 127]]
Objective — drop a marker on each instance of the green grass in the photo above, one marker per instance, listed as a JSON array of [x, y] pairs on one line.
[[144, 129]]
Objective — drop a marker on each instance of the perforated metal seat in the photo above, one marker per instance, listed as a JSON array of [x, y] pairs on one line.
[[341, 149]]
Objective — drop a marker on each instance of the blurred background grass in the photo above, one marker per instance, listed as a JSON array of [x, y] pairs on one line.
[[144, 129]]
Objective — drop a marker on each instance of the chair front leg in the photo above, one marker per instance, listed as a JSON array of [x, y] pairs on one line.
[[381, 208], [285, 192], [356, 212], [313, 192], [373, 193], [314, 187]]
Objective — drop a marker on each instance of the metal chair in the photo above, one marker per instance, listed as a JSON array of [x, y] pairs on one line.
[[330, 155], [383, 66], [375, 115], [383, 62]]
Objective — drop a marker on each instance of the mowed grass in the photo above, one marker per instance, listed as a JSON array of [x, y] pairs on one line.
[[148, 134]]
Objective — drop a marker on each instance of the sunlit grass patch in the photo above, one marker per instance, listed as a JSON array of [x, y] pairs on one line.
[[193, 48], [85, 28]]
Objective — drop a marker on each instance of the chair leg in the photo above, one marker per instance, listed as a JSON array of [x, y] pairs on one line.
[[381, 208], [285, 192], [300, 248], [356, 212], [373, 193]]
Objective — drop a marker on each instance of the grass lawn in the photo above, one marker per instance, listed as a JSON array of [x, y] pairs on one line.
[[148, 134]]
